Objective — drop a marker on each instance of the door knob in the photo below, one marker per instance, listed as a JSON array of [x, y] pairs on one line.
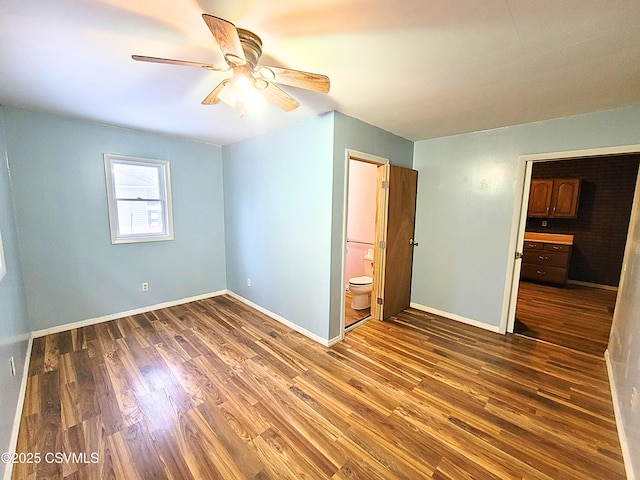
[[411, 242]]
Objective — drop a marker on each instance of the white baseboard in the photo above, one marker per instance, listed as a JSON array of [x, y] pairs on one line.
[[158, 306], [624, 445], [593, 285], [13, 441], [114, 316], [288, 323], [457, 318], [92, 321]]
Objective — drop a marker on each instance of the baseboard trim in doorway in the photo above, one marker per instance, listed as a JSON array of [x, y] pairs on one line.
[[357, 323], [556, 345], [288, 323], [593, 285], [457, 318], [128, 313], [624, 445]]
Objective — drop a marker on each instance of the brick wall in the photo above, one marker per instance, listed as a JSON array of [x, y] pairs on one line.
[[600, 231]]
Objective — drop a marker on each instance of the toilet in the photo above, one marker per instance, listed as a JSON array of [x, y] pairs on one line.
[[361, 287]]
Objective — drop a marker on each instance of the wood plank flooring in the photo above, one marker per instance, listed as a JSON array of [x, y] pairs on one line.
[[213, 389], [574, 316], [352, 316]]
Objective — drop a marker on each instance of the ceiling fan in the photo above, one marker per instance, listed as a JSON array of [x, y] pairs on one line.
[[242, 50]]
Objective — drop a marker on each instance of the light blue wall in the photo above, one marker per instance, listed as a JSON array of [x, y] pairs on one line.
[[357, 135], [624, 342], [353, 134], [72, 271], [467, 190], [14, 321], [284, 215], [277, 190]]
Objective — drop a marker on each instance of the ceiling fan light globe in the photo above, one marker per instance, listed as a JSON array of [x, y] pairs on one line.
[[242, 84], [260, 84], [252, 101], [234, 60], [267, 73], [228, 96]]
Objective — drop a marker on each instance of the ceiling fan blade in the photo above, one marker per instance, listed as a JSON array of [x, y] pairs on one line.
[[170, 61], [280, 97], [295, 78], [227, 37], [212, 98]]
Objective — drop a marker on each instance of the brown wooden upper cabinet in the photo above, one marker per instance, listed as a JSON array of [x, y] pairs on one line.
[[554, 198]]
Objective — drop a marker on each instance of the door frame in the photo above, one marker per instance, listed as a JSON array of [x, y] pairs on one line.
[[519, 221], [351, 154]]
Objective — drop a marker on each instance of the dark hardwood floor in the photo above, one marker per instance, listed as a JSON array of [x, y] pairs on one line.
[[573, 316], [214, 389]]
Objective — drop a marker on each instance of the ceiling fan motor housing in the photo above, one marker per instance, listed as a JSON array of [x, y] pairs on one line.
[[251, 45]]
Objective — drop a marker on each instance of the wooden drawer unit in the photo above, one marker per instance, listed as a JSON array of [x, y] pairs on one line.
[[533, 246], [544, 274], [546, 257]]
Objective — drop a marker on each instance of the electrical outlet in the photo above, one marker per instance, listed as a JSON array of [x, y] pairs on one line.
[[12, 365], [544, 223], [248, 282], [145, 287]]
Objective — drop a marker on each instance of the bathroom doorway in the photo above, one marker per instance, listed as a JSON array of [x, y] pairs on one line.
[[361, 226], [387, 231]]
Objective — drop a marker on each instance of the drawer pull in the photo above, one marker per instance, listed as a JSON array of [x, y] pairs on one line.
[[542, 257], [532, 245], [555, 247], [541, 272]]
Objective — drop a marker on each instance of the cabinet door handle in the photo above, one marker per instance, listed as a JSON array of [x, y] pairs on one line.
[[541, 272], [543, 257]]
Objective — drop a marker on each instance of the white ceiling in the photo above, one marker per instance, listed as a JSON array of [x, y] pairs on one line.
[[418, 68]]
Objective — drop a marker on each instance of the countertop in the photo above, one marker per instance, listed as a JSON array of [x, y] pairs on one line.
[[558, 238]]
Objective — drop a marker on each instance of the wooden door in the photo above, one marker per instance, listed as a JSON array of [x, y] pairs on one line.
[[565, 198], [392, 290], [540, 198]]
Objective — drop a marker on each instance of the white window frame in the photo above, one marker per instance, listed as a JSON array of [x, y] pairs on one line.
[[165, 199]]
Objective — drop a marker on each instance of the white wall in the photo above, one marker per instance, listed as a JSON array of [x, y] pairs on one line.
[[624, 343], [468, 188]]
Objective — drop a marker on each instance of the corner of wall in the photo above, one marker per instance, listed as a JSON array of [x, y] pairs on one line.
[[617, 412]]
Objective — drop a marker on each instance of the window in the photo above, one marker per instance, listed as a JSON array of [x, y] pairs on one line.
[[139, 196]]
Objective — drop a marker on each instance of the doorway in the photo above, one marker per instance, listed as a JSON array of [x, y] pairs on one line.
[[393, 242], [576, 314], [361, 226]]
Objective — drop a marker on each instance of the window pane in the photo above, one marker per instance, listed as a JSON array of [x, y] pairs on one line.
[[139, 199], [136, 181], [140, 217]]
